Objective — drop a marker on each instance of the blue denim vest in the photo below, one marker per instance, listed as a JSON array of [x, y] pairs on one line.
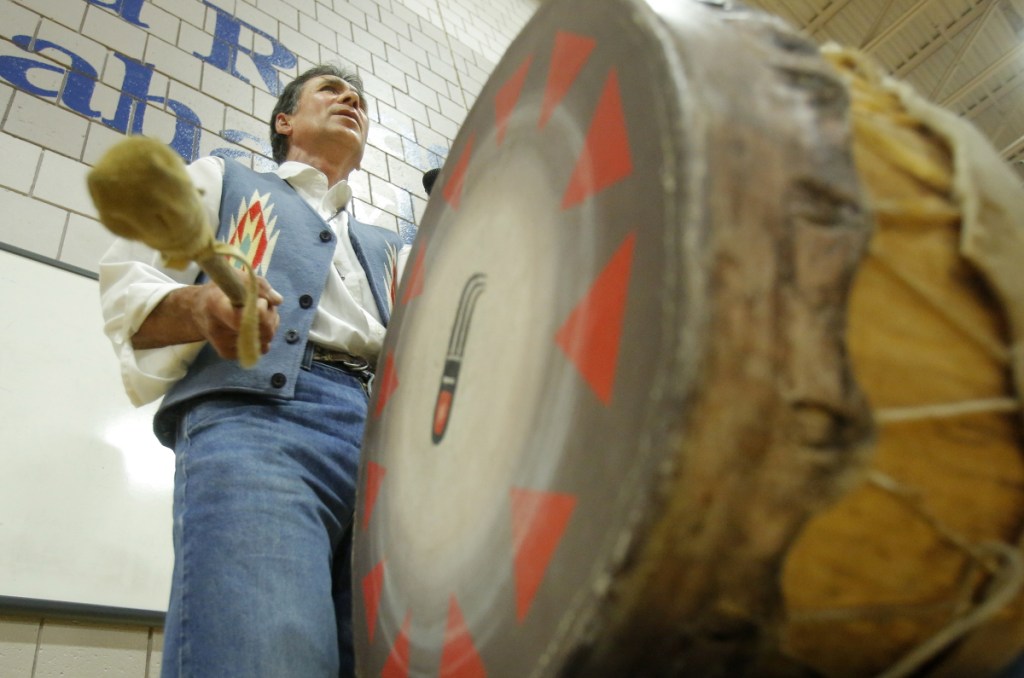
[[292, 246]]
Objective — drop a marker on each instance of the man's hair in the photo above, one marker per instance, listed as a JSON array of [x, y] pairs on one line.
[[289, 101]]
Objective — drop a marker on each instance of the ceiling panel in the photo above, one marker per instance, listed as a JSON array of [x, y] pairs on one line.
[[967, 55]]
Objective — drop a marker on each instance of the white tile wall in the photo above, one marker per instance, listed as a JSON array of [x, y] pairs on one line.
[[446, 126], [162, 24], [46, 125], [405, 176], [208, 108], [375, 161], [420, 76], [19, 175], [61, 181], [190, 11], [102, 25], [72, 40], [18, 641], [67, 649], [388, 197], [85, 241], [17, 20], [30, 224], [156, 653], [99, 139], [301, 44], [171, 61], [67, 13], [6, 94], [158, 123], [235, 119], [284, 12], [349, 12], [230, 90], [262, 20], [192, 38]]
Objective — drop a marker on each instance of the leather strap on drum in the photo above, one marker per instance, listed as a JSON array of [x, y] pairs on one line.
[[934, 315]]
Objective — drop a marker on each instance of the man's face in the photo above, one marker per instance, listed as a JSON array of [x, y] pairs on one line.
[[330, 114]]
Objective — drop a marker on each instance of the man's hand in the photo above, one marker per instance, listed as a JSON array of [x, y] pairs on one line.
[[218, 321], [204, 312]]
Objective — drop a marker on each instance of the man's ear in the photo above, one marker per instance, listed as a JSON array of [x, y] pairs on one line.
[[283, 124]]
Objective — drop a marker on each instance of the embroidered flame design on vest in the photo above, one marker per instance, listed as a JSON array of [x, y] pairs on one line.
[[255, 232]]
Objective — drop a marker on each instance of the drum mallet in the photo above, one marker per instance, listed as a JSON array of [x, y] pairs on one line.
[[142, 192]]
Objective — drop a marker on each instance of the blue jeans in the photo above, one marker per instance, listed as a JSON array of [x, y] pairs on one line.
[[263, 501]]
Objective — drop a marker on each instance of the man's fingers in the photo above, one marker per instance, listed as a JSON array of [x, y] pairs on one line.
[[220, 321], [269, 293], [269, 321]]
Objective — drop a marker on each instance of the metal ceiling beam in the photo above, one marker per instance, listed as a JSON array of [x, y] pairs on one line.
[[826, 15], [1010, 56], [947, 35], [966, 45], [777, 8], [878, 22], [994, 98], [1013, 148], [895, 26]]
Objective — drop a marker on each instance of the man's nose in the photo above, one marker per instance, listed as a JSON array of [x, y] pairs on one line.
[[350, 97]]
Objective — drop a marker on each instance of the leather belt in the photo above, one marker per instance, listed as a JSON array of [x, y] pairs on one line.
[[346, 361]]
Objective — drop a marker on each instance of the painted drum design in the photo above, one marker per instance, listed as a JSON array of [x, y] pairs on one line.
[[655, 396]]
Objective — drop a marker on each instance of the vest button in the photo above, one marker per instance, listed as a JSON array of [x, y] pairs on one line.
[[305, 301], [291, 336], [326, 236], [278, 380]]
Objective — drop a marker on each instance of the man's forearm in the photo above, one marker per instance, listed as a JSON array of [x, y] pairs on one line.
[[205, 313], [171, 322]]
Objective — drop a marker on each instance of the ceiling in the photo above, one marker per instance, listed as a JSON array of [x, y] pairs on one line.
[[966, 55]]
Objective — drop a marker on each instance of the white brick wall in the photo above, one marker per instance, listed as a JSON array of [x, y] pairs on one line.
[[18, 641], [423, 62]]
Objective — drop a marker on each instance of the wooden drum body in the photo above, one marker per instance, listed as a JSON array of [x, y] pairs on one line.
[[616, 386]]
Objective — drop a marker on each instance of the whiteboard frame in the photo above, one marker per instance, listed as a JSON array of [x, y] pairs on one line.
[[111, 526]]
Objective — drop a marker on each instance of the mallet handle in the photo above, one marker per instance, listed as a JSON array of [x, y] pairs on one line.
[[223, 274]]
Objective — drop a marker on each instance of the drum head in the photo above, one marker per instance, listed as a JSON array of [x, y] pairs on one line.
[[560, 398]]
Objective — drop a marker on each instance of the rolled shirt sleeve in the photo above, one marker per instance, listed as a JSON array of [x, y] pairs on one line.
[[133, 281]]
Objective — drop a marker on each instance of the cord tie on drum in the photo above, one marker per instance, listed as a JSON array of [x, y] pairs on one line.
[[892, 415], [1003, 561]]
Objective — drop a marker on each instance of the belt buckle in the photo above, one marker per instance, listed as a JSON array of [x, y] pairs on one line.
[[343, 360], [354, 363]]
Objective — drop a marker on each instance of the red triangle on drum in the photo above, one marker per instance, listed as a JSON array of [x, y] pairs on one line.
[[414, 287], [459, 658], [388, 384], [606, 156], [373, 584], [591, 336], [374, 477], [397, 665], [453, 188], [539, 520], [508, 96], [570, 54]]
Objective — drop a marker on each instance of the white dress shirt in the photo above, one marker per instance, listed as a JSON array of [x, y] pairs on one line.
[[133, 281]]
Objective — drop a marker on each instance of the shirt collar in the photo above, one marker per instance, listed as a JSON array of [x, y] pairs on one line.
[[313, 182]]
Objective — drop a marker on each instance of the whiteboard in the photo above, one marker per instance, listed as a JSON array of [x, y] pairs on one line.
[[85, 488]]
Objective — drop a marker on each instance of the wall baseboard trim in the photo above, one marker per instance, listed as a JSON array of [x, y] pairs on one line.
[[13, 606]]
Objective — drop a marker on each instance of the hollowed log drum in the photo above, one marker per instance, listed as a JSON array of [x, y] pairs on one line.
[[705, 362]]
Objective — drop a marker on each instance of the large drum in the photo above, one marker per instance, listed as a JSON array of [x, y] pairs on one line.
[[704, 363]]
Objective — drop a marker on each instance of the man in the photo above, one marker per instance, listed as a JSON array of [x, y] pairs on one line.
[[266, 458]]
